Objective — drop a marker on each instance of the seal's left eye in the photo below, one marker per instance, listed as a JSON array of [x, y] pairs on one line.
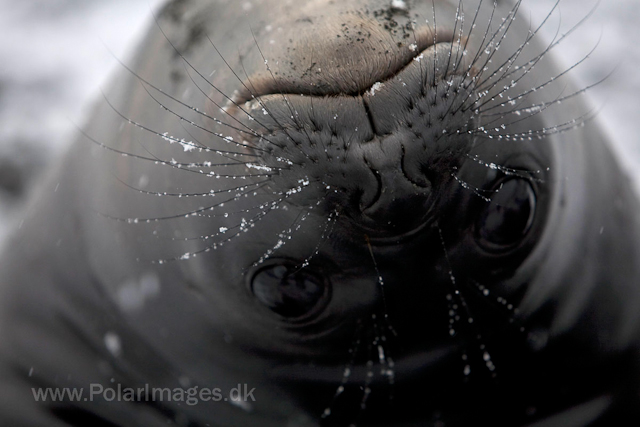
[[289, 291], [507, 218]]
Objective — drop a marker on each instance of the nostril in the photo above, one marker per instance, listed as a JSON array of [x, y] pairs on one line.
[[400, 206], [366, 203], [396, 214], [415, 172]]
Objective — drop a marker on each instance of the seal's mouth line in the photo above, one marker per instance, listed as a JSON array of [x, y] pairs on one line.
[[275, 87]]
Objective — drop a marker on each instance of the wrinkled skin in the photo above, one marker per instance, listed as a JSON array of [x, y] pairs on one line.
[[421, 321]]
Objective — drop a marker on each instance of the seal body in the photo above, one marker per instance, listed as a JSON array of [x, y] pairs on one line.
[[369, 213]]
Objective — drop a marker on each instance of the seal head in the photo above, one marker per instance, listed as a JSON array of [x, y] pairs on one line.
[[369, 213]]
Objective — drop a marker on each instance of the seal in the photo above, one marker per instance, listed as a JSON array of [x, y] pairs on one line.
[[340, 213]]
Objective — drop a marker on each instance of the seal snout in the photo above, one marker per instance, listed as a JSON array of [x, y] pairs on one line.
[[381, 157]]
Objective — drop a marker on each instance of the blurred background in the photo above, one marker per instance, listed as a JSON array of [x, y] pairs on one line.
[[54, 57]]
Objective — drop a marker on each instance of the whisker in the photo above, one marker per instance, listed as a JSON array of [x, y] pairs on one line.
[[507, 171], [498, 301], [366, 389], [226, 156], [458, 59], [510, 61], [500, 34], [537, 133], [475, 190], [284, 235], [457, 294], [347, 371], [249, 130], [192, 123], [293, 116], [188, 214], [313, 118], [454, 31], [182, 57], [478, 54], [292, 111], [243, 226], [257, 99], [379, 278], [172, 139], [384, 358], [466, 42], [484, 38], [210, 193], [435, 38], [208, 164], [192, 254], [532, 90], [538, 108], [331, 221], [145, 83], [187, 167], [555, 41], [282, 127]]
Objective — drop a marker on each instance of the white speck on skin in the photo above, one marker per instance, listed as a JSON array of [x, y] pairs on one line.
[[399, 4], [113, 343], [237, 401], [376, 86], [143, 181], [259, 167], [184, 381], [187, 146], [132, 294]]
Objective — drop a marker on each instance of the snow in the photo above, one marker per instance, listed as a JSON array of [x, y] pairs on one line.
[[399, 4], [376, 87], [133, 293], [113, 343]]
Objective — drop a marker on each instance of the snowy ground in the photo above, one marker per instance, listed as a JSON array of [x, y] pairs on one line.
[[54, 55]]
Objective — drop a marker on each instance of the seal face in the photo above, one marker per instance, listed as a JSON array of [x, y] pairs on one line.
[[367, 213]]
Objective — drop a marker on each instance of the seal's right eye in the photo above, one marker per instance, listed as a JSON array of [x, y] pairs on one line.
[[294, 293], [508, 217]]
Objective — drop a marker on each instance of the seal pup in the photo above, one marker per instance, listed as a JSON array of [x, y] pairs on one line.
[[372, 213]]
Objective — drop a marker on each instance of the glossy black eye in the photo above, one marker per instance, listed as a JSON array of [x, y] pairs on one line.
[[289, 291], [507, 218]]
